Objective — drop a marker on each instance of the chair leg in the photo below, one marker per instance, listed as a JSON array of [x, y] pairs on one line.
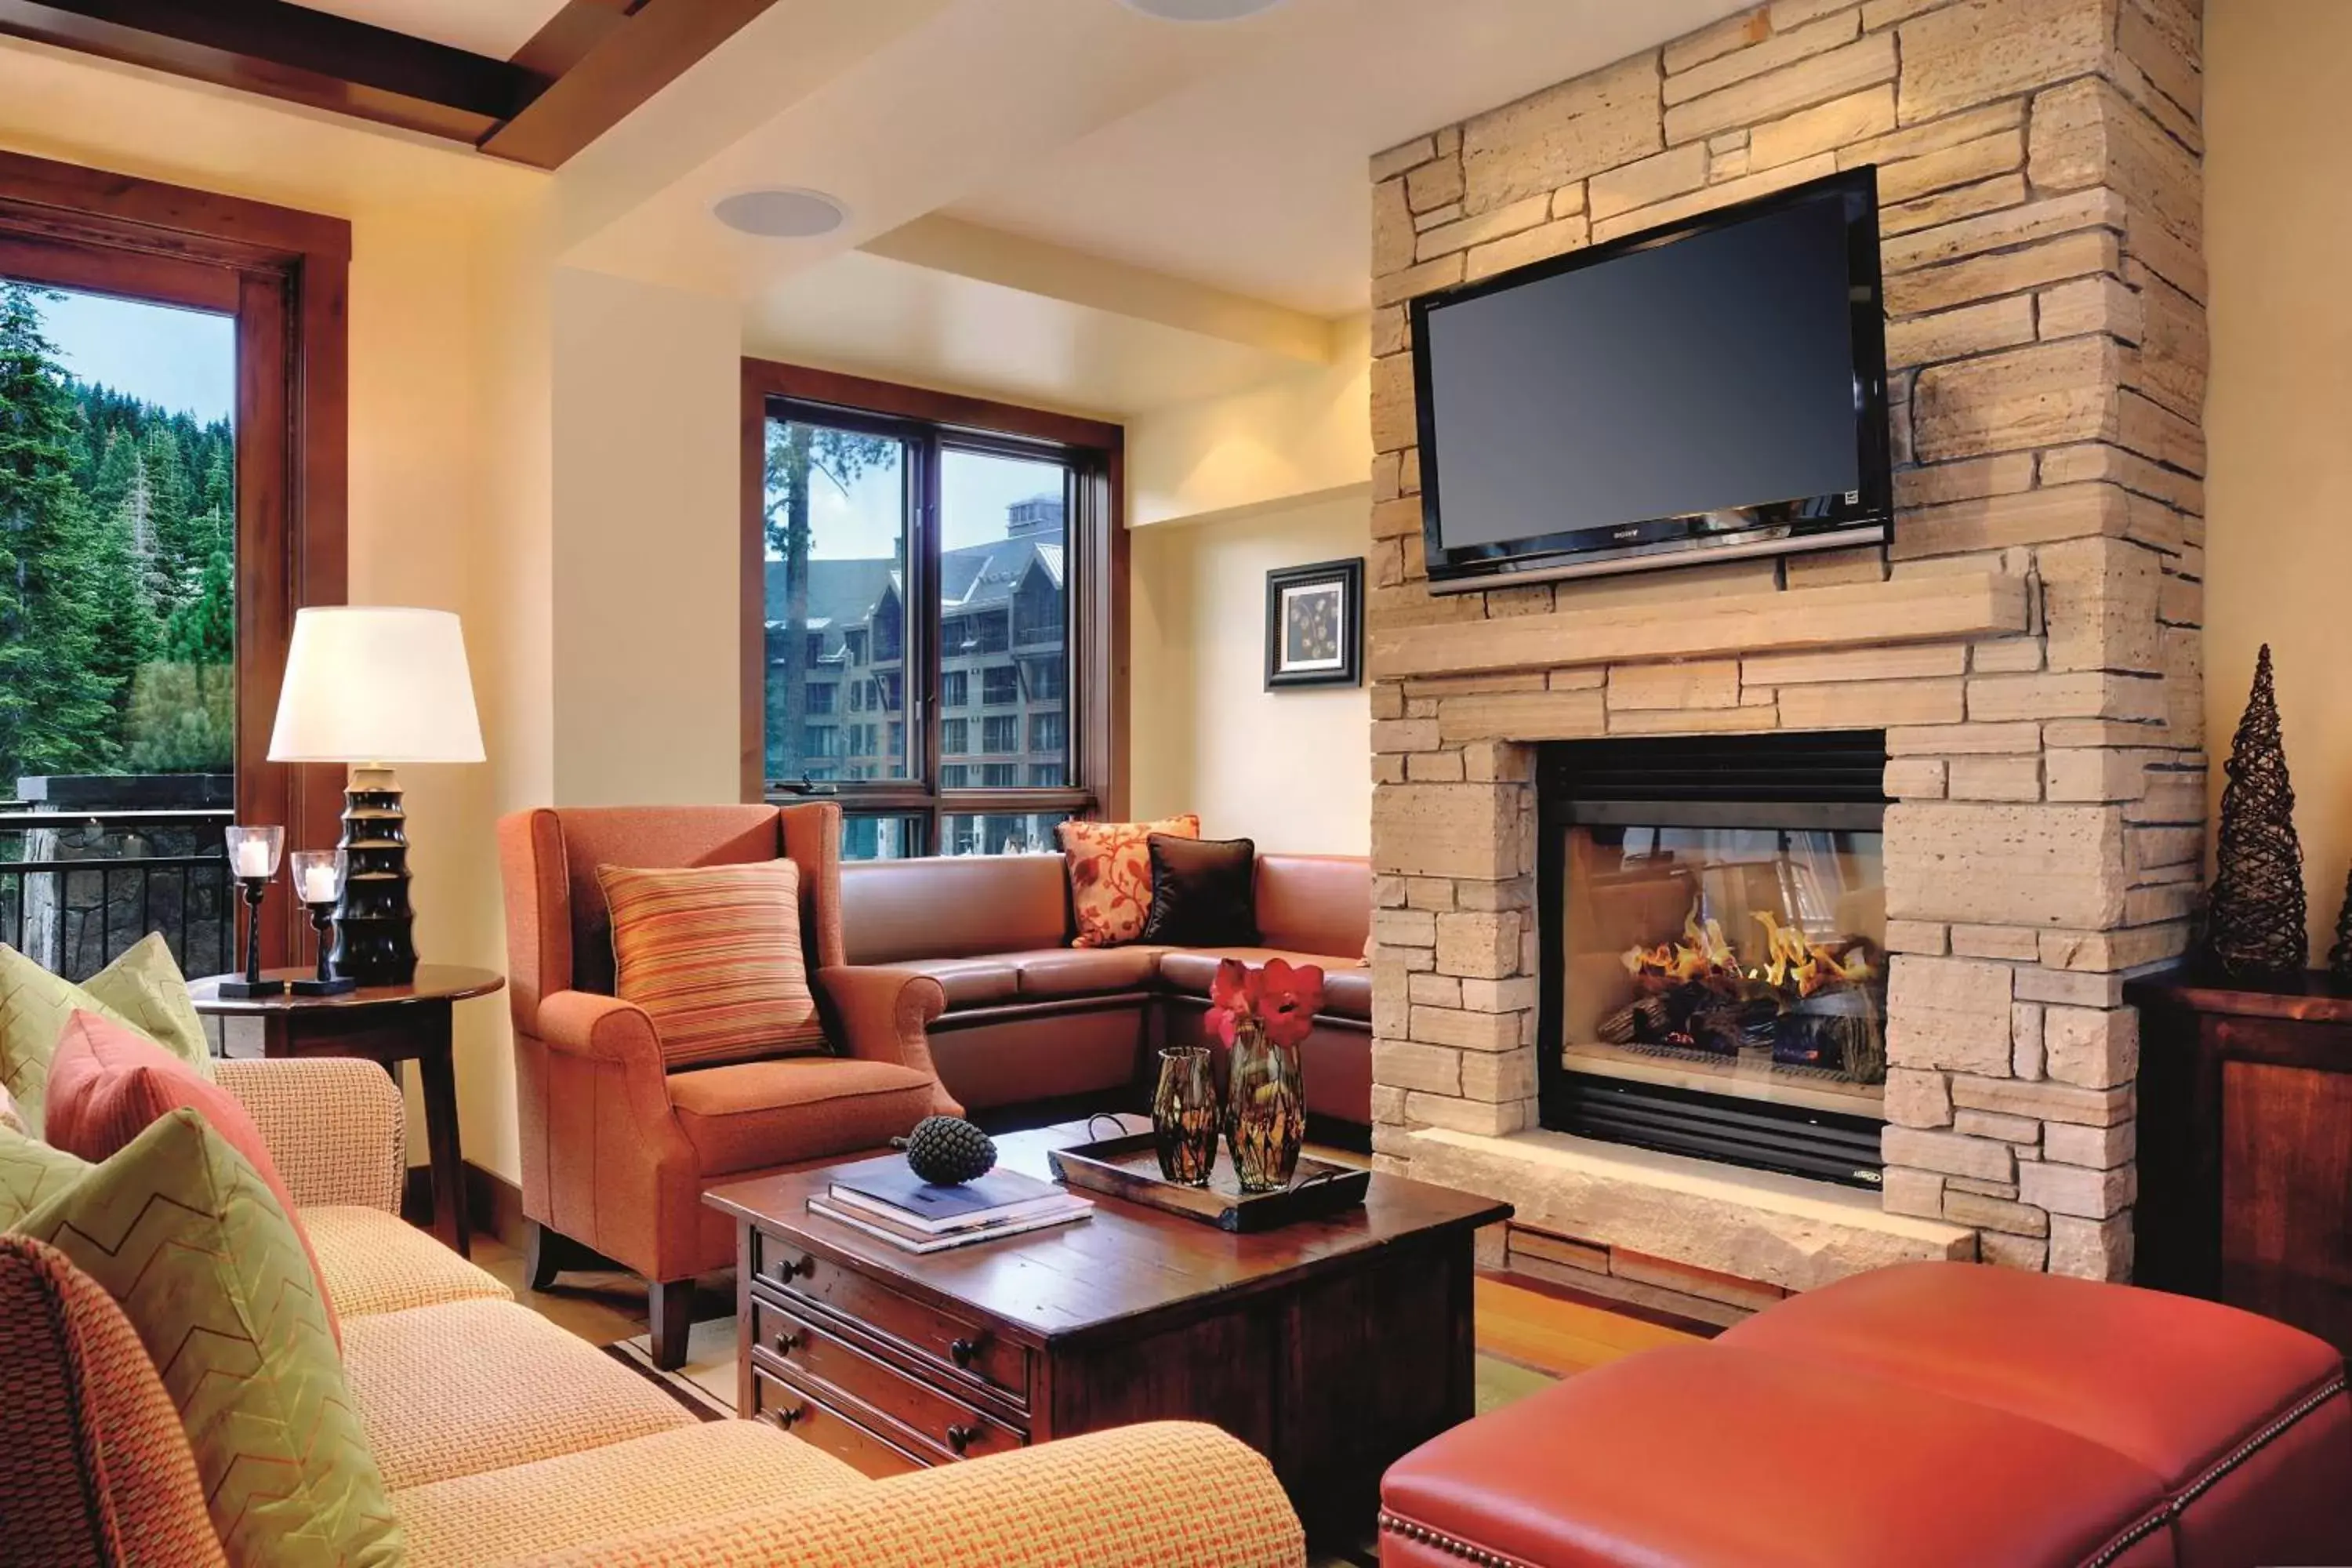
[[669, 1312], [542, 1255]]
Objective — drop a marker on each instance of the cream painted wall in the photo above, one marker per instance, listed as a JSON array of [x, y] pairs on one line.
[[1299, 435], [647, 537], [1284, 768], [448, 461], [2278, 417]]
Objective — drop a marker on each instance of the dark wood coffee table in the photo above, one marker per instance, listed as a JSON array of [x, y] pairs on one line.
[[1331, 1346]]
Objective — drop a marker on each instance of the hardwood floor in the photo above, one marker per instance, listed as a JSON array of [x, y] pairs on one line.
[[1559, 1337], [1518, 1324]]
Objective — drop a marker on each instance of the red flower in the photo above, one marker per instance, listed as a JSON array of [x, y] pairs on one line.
[[1291, 999], [1281, 999], [1233, 995]]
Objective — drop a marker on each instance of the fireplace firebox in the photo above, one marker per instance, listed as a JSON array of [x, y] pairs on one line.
[[1713, 920]]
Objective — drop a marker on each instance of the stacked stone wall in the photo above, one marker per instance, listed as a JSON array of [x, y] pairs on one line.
[[2039, 169]]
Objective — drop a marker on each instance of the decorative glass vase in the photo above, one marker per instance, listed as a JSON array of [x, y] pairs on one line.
[[1266, 1109], [1184, 1115]]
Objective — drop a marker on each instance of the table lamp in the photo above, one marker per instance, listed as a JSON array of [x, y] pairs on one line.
[[371, 686]]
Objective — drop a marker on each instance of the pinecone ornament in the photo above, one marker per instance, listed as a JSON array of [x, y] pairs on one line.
[[2256, 924], [946, 1150]]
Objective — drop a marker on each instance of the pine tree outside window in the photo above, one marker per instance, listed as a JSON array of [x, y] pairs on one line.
[[157, 344]]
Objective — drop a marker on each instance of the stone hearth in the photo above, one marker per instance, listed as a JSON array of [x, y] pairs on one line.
[[2028, 641]]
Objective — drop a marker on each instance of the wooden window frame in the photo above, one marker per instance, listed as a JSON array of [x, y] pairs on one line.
[[1096, 701], [283, 275]]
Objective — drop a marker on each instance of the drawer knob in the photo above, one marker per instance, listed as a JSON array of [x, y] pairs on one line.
[[964, 1352], [959, 1438], [804, 1269], [785, 1418], [788, 1341]]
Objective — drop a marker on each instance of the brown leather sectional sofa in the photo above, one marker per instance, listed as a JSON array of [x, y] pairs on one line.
[[1035, 1027]]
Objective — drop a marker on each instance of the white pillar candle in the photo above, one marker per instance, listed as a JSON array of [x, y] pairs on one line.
[[253, 858], [318, 884]]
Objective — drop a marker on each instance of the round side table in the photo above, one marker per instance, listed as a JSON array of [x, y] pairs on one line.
[[385, 1024]]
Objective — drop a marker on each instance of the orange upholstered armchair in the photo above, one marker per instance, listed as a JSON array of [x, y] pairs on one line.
[[617, 1146]]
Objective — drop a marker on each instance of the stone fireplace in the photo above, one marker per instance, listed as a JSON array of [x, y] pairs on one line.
[[1711, 928], [2028, 643]]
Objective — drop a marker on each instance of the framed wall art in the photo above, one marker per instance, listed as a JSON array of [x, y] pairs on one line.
[[1314, 624]]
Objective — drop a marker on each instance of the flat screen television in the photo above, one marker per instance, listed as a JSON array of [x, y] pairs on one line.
[[1710, 389]]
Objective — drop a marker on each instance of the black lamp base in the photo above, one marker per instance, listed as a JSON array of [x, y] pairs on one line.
[[372, 945], [338, 986], [247, 988]]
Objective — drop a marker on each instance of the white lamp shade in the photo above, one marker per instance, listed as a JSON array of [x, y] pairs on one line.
[[370, 684]]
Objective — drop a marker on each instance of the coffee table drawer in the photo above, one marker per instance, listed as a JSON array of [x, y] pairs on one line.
[[808, 1417], [790, 1346], [941, 1337]]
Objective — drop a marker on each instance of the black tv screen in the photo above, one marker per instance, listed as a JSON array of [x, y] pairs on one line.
[[1714, 388]]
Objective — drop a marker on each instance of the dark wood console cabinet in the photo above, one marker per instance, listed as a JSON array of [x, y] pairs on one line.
[[2245, 1145]]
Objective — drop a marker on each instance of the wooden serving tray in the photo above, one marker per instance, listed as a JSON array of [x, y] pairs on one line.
[[1128, 1167]]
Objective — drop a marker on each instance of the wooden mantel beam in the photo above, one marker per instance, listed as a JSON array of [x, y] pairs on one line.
[[1909, 609]]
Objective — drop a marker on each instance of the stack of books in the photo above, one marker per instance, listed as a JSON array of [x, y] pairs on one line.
[[882, 1197]]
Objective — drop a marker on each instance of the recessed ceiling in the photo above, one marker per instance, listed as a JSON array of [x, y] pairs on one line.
[[1254, 180], [1228, 160], [903, 323], [493, 27]]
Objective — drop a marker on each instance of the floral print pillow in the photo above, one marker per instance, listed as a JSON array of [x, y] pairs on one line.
[[1110, 875]]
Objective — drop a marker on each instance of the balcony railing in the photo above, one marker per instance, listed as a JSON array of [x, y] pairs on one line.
[[77, 889]]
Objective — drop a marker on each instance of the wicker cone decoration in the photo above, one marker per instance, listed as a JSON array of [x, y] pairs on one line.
[[2256, 923]]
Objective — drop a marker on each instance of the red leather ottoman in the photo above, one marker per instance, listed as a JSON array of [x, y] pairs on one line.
[[1928, 1415]]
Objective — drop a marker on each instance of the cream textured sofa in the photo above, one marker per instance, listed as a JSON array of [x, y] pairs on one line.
[[505, 1441]]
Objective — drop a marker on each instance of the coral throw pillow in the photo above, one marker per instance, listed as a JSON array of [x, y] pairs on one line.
[[713, 953], [195, 1249], [33, 1007], [1110, 875], [108, 1083]]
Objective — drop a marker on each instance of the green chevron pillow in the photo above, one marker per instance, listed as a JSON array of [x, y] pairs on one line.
[[147, 989], [186, 1238], [31, 1172], [35, 1004]]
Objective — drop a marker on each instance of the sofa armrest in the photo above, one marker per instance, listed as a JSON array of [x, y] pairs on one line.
[[883, 1014], [1162, 1495], [603, 1028], [335, 1126]]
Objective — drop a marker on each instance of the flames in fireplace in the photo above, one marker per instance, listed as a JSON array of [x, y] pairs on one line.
[[1791, 959], [1806, 1002]]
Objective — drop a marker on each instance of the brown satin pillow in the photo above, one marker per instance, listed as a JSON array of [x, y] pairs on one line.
[[1203, 893]]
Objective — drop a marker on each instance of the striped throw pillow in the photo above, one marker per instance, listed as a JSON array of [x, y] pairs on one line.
[[713, 953]]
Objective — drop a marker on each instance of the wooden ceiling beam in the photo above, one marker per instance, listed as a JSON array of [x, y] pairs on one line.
[[293, 53], [628, 61], [566, 39], [581, 74]]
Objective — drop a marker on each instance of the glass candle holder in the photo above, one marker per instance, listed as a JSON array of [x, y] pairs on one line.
[[253, 853], [319, 882]]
